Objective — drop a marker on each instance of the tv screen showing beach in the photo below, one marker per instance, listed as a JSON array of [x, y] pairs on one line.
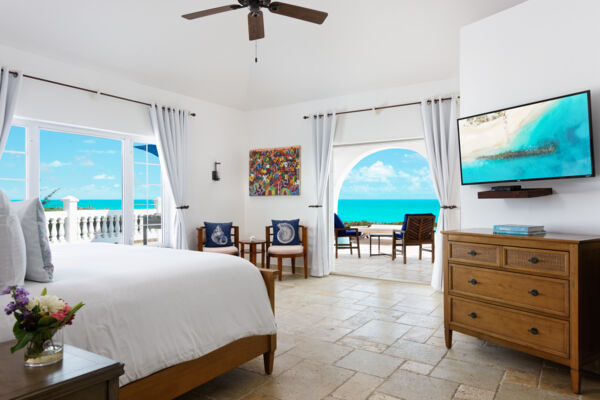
[[544, 140]]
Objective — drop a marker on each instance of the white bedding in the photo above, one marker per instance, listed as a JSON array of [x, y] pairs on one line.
[[152, 308]]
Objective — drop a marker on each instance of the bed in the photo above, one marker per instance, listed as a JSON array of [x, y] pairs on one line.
[[176, 319]]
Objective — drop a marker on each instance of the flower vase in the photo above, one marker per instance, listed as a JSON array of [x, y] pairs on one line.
[[44, 350]]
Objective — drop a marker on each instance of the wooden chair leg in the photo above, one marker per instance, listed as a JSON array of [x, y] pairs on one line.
[[268, 261], [305, 267], [393, 248], [336, 246], [420, 252], [350, 244], [404, 252], [433, 252], [280, 266], [293, 265], [358, 245]]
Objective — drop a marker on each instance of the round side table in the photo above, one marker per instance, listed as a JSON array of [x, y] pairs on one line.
[[254, 250]]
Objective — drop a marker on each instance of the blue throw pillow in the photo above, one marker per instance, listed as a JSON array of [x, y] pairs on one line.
[[218, 234], [285, 233], [337, 221]]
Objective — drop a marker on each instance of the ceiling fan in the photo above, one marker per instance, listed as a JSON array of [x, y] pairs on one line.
[[256, 27]]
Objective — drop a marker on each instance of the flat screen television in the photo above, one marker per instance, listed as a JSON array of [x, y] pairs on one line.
[[548, 139]]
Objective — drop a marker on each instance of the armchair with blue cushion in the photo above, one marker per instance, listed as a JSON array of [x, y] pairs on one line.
[[342, 231], [417, 230]]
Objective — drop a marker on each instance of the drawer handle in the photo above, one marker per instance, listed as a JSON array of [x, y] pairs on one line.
[[472, 315], [533, 331], [533, 292], [534, 260], [472, 253], [473, 281]]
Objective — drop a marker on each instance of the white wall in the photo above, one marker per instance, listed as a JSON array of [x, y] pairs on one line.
[[284, 126], [214, 134], [536, 50]]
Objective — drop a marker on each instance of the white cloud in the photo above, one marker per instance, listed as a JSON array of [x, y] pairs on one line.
[[87, 163], [116, 185], [376, 172], [104, 177], [55, 164]]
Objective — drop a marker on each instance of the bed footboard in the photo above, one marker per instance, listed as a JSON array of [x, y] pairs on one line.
[[181, 378]]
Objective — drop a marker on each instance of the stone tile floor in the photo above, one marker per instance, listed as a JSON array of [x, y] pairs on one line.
[[354, 338], [382, 267]]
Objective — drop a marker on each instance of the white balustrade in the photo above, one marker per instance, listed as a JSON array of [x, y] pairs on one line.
[[86, 225]]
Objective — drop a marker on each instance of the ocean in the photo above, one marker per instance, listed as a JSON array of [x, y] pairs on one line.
[[385, 211], [115, 204]]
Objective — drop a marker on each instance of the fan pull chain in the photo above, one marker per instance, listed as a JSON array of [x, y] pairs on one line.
[[256, 51]]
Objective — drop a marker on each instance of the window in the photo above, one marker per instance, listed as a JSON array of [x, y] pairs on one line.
[[147, 193], [12, 165], [89, 171]]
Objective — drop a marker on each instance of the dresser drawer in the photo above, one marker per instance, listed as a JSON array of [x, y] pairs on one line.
[[541, 333], [533, 260], [474, 253], [534, 292]]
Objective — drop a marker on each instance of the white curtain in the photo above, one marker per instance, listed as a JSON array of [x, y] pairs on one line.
[[441, 142], [170, 127], [323, 132], [10, 86]]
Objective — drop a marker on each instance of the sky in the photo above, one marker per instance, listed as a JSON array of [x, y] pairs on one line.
[[389, 174], [86, 167]]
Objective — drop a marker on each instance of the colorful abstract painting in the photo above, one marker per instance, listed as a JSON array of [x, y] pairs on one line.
[[275, 172]]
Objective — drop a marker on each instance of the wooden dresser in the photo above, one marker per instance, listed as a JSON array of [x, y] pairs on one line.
[[539, 295]]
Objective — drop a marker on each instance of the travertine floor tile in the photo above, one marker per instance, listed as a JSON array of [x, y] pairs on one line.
[[381, 331], [514, 391], [370, 363], [231, 385], [418, 334], [465, 392], [556, 379], [306, 381], [484, 377], [316, 350], [282, 363], [425, 321], [409, 386], [521, 377], [419, 368], [416, 351], [359, 387]]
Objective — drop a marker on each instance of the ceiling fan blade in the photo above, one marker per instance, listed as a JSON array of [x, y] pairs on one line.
[[211, 11], [256, 26], [305, 14]]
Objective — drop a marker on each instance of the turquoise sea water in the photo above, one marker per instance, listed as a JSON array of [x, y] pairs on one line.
[[103, 204], [564, 125], [385, 210]]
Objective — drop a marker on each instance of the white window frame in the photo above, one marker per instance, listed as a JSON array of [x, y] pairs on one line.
[[32, 162]]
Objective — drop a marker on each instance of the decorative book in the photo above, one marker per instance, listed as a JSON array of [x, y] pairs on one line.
[[526, 230]]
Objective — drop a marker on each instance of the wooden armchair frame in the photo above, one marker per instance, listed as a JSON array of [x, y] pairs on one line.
[[234, 234], [420, 230], [303, 231], [342, 246]]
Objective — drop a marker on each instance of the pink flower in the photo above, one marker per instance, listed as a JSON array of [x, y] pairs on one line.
[[62, 314]]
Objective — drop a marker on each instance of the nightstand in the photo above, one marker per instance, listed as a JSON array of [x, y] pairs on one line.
[[80, 375]]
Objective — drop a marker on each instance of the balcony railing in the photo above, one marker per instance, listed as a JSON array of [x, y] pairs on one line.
[[75, 225]]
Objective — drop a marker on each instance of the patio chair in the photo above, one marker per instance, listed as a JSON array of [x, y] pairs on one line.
[[289, 251], [340, 231], [417, 230], [232, 250]]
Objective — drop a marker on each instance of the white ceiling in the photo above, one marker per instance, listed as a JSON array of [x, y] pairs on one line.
[[363, 45]]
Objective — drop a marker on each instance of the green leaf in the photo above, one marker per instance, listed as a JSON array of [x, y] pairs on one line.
[[47, 320], [23, 341], [44, 292], [18, 331], [73, 311]]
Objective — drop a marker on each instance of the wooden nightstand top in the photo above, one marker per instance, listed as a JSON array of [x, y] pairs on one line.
[[78, 371]]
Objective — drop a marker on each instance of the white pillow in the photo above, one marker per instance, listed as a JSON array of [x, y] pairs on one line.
[[35, 231], [12, 246]]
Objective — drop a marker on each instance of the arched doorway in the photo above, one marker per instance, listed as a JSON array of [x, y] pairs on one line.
[[374, 192]]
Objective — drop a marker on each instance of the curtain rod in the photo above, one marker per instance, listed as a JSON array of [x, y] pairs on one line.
[[379, 108], [88, 90]]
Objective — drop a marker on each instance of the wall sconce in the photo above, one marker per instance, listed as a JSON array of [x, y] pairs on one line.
[[215, 173]]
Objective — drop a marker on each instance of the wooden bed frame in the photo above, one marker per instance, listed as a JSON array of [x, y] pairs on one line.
[[181, 378]]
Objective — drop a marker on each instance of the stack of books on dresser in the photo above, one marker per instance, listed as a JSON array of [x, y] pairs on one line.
[[521, 230]]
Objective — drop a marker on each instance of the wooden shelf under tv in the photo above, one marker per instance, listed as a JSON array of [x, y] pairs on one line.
[[514, 194]]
